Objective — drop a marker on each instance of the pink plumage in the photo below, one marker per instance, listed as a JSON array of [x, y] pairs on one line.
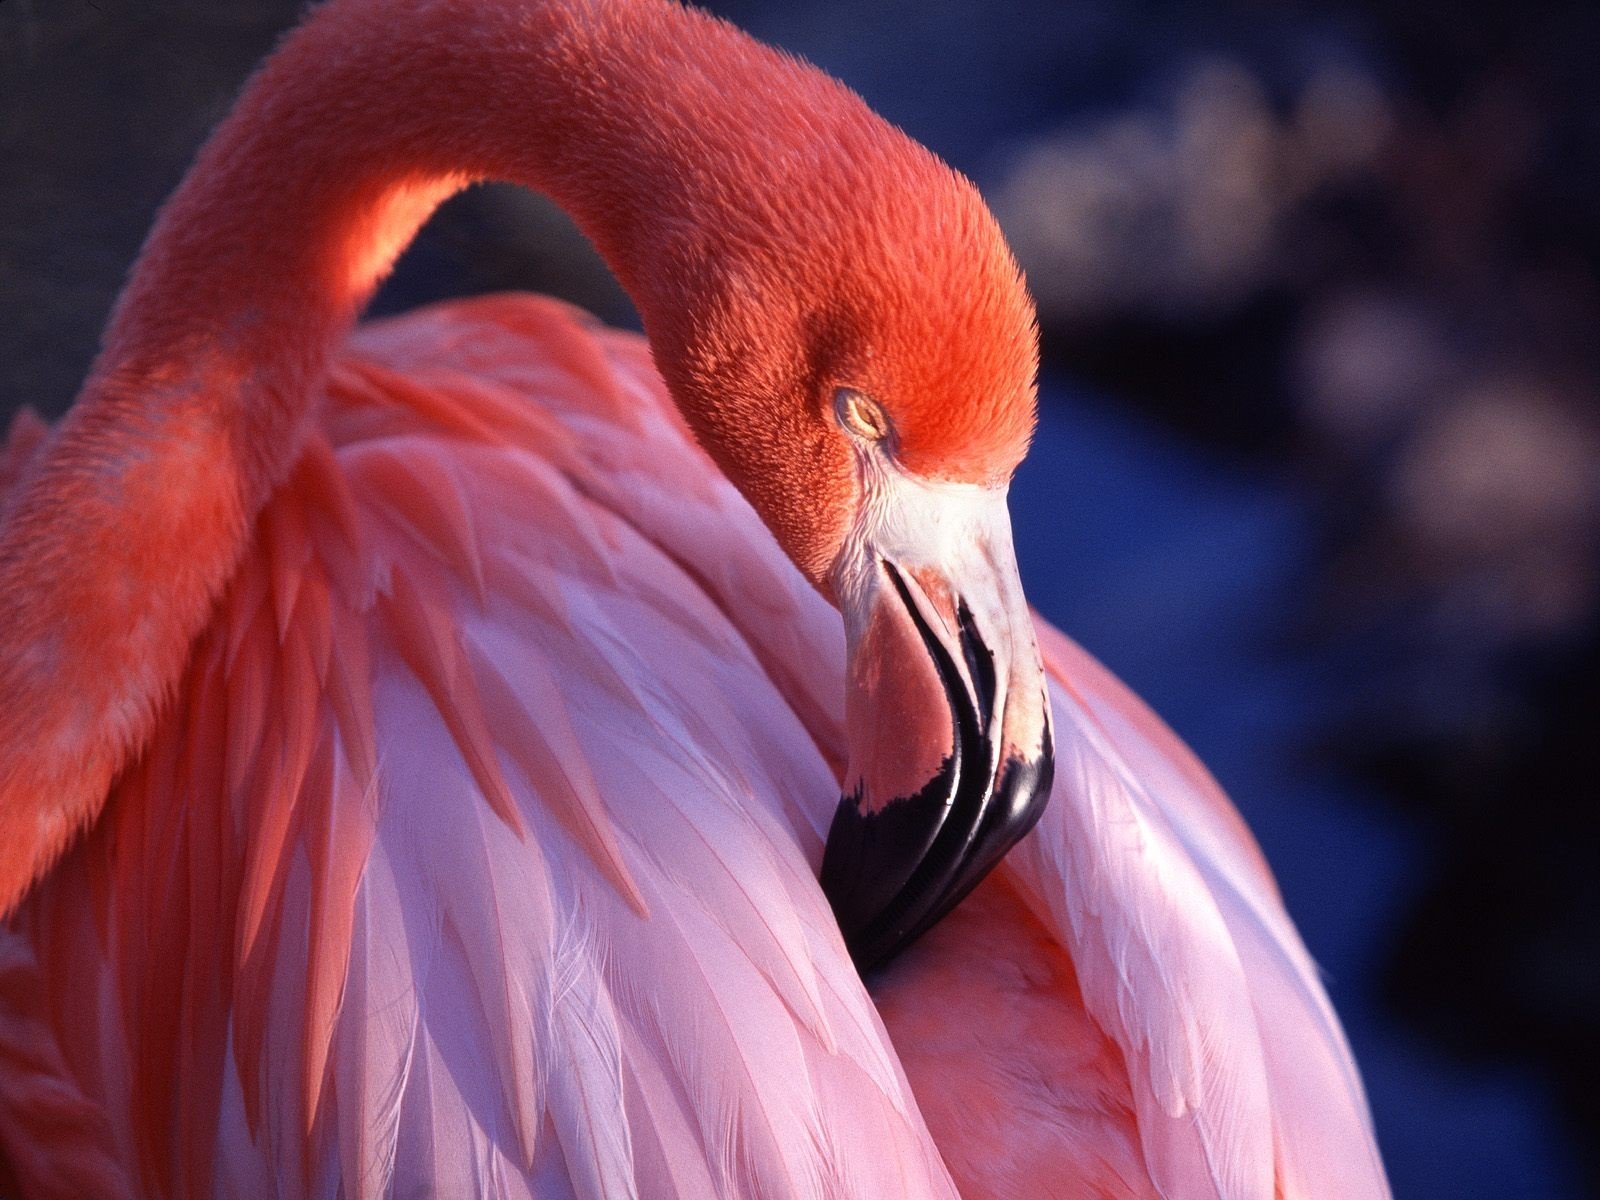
[[469, 799]]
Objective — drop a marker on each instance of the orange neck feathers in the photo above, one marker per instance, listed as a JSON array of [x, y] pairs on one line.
[[779, 239]]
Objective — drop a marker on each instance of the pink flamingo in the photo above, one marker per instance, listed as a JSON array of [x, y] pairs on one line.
[[455, 702]]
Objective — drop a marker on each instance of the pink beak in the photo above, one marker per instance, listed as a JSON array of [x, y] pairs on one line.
[[951, 757]]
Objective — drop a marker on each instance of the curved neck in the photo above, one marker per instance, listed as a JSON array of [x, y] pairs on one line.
[[635, 115]]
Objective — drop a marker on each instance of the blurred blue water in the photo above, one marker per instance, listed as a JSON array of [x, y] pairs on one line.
[[1177, 573]]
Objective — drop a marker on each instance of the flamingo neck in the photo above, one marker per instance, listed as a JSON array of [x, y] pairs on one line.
[[635, 115], [640, 117]]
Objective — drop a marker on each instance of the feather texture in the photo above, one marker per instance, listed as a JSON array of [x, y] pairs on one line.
[[479, 849], [1241, 1079], [459, 881]]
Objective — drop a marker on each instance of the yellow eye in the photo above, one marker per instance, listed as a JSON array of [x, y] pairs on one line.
[[861, 415]]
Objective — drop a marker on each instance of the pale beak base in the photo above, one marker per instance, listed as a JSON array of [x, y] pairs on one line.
[[894, 866]]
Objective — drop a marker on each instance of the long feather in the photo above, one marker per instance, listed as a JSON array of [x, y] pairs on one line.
[[1187, 959]]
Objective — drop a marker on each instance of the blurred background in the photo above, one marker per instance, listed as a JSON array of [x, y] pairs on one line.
[[1318, 469]]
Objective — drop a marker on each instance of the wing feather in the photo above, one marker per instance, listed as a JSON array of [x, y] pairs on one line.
[[485, 829], [1242, 1080]]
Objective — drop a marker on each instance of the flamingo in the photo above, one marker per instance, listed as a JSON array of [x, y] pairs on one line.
[[422, 743]]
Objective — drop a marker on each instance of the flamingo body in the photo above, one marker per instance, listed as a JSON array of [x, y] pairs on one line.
[[480, 845]]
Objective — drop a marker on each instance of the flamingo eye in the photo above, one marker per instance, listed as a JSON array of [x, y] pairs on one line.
[[861, 415]]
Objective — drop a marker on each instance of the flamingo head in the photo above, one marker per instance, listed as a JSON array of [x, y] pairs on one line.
[[845, 330]]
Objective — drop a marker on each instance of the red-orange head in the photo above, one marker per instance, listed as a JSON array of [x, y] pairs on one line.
[[784, 244]]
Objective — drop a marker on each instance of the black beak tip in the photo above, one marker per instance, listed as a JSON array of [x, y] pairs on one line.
[[891, 874], [871, 857]]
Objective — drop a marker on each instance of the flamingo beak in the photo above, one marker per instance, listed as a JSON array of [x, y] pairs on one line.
[[950, 746]]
